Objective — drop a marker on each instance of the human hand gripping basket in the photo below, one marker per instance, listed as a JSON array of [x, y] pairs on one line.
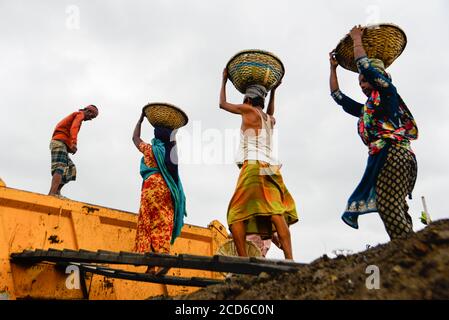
[[384, 41], [165, 115], [255, 67]]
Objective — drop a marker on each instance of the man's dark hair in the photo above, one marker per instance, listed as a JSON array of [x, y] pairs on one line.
[[91, 105], [256, 102]]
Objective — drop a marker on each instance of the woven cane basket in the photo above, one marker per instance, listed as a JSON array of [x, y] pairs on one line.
[[381, 41], [229, 249], [255, 67], [165, 115]]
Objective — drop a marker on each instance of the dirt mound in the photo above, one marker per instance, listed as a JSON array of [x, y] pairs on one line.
[[414, 268]]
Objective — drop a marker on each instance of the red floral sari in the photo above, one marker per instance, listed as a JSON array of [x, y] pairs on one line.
[[155, 221]]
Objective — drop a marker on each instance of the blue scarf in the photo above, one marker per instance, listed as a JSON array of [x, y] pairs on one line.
[[176, 189]]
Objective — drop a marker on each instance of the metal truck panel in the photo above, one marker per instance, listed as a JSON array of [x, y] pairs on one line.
[[35, 221]]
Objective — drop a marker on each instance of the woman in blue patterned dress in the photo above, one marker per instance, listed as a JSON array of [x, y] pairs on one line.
[[386, 126]]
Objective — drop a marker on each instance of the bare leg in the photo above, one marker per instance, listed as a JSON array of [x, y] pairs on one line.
[[284, 235], [55, 184], [59, 189], [238, 234]]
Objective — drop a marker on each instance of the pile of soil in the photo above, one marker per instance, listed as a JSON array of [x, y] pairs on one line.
[[413, 268]]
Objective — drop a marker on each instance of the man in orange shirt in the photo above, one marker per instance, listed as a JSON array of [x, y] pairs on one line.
[[63, 142]]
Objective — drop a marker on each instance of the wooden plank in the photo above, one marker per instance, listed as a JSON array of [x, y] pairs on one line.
[[120, 274], [238, 265]]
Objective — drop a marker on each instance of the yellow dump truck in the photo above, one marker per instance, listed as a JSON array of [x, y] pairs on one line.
[[37, 222]]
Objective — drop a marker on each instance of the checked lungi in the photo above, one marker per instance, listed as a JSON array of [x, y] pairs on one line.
[[260, 194], [61, 162]]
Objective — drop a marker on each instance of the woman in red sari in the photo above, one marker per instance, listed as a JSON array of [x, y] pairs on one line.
[[162, 202]]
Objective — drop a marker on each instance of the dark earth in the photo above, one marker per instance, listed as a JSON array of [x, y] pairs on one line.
[[413, 268]]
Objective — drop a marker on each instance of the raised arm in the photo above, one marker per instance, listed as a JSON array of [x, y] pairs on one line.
[[136, 135], [377, 79], [270, 109], [356, 35], [349, 105], [233, 108], [333, 80]]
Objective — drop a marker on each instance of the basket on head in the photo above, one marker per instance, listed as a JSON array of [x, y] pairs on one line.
[[255, 67], [228, 249], [381, 41], [165, 115]]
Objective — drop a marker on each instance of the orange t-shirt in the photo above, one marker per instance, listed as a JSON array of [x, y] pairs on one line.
[[67, 129]]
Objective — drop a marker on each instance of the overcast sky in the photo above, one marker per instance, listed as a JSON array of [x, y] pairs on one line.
[[59, 56]]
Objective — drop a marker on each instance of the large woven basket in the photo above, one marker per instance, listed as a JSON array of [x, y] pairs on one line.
[[165, 115], [255, 67], [381, 41], [229, 249]]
